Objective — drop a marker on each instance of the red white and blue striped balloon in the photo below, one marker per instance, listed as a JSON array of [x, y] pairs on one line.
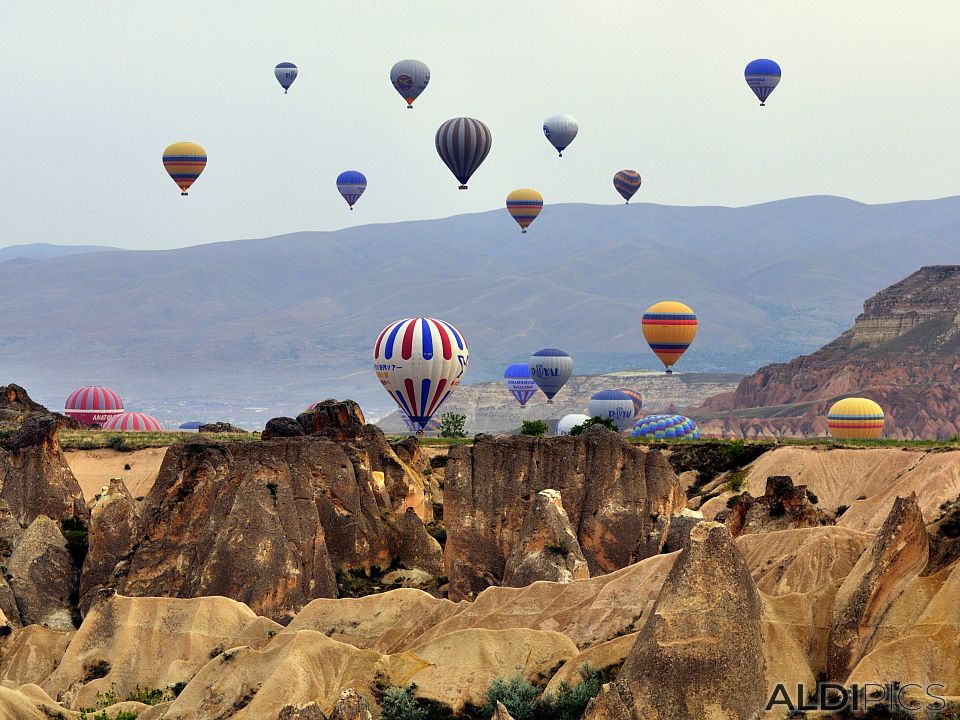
[[133, 422], [420, 361]]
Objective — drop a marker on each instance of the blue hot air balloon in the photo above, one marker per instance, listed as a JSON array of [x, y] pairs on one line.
[[762, 77], [613, 405], [550, 369], [351, 185], [518, 380], [286, 73]]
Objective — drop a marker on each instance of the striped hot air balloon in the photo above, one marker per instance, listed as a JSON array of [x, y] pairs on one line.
[[855, 418], [410, 78], [762, 77], [637, 400], [550, 368], [420, 361], [627, 182], [432, 426], [560, 130], [463, 144], [92, 405], [518, 381], [133, 422], [184, 161], [286, 73], [524, 205], [613, 405], [669, 328], [351, 185], [665, 427]]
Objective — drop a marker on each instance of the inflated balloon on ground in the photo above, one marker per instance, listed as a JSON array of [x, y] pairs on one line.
[[855, 418], [665, 427], [92, 405], [568, 422], [613, 405]]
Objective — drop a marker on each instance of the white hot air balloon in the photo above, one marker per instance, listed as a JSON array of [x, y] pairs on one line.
[[420, 361], [560, 131], [613, 405], [550, 369], [568, 422], [410, 78]]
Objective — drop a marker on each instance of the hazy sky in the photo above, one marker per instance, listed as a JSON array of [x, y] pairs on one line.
[[93, 92]]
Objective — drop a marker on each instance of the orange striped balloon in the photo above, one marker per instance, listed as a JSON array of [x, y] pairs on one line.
[[669, 327], [184, 161], [524, 205], [855, 418]]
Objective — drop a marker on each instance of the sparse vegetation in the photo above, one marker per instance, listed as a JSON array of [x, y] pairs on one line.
[[151, 697], [841, 509], [452, 425], [534, 428], [812, 498], [178, 687], [525, 701], [87, 439], [596, 420], [519, 696], [398, 703], [737, 479]]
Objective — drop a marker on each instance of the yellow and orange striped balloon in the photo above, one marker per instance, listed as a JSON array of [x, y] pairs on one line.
[[184, 161], [524, 205], [669, 327], [855, 419]]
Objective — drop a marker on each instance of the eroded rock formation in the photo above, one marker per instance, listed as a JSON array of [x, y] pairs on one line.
[[783, 505]]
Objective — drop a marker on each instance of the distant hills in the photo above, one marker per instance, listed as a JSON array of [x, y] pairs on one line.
[[280, 322], [45, 251]]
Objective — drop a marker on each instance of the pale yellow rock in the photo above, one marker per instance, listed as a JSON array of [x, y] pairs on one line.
[[600, 657], [30, 654], [94, 469], [29, 702]]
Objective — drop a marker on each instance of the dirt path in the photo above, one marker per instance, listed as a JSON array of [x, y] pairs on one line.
[[94, 468]]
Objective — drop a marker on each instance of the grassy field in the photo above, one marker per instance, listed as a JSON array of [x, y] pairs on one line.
[[128, 441]]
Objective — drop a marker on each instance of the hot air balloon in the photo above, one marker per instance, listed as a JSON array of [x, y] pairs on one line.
[[286, 73], [133, 422], [420, 361], [463, 143], [855, 418], [432, 426], [627, 182], [184, 161], [550, 369], [410, 78], [518, 380], [669, 328], [92, 405], [762, 77], [637, 400], [560, 131], [613, 405], [524, 205], [666, 427], [351, 185], [568, 422]]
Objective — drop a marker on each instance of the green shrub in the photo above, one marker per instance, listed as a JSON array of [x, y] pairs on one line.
[[569, 703], [519, 696], [535, 428], [596, 420], [150, 697], [811, 498], [452, 424], [399, 703], [735, 483], [841, 509], [178, 687]]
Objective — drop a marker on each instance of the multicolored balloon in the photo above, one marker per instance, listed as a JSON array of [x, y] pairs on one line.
[[560, 130], [524, 205], [463, 144], [669, 328], [286, 73], [613, 405], [627, 182], [550, 369], [432, 426], [762, 77], [184, 161], [855, 418], [420, 361], [410, 78], [637, 400], [351, 185], [568, 422], [133, 422], [518, 381], [666, 427]]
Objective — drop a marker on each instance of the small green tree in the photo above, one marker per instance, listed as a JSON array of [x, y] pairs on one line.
[[451, 425], [399, 704], [519, 696], [536, 428], [596, 420]]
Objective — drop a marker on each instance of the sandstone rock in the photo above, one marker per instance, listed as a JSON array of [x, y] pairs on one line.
[[281, 427], [501, 712], [782, 506], [219, 427], [9, 612], [616, 494], [339, 421], [409, 579], [27, 702], [404, 481], [351, 706], [699, 654], [678, 532], [944, 536], [548, 548], [414, 547], [42, 576], [114, 531], [30, 654], [310, 711], [898, 554]]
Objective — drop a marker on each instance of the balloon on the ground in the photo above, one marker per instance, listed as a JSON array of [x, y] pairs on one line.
[[568, 422], [184, 161], [133, 422], [855, 418], [613, 405], [665, 427], [524, 205], [669, 328], [420, 361], [286, 73], [762, 77], [560, 130], [637, 400], [627, 182], [92, 405], [550, 369], [518, 381], [410, 78], [351, 185], [463, 144]]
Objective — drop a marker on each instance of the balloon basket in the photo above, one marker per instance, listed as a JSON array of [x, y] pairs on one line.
[[183, 194], [463, 187]]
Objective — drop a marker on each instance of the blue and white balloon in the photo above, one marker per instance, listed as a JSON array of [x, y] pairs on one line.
[[351, 185], [518, 381], [286, 73], [550, 369], [762, 77], [613, 405], [560, 130]]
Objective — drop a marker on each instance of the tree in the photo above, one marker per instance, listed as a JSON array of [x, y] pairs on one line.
[[451, 425], [596, 420], [536, 428]]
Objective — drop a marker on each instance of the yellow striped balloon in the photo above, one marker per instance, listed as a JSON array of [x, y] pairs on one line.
[[524, 205], [184, 161], [669, 327], [855, 418]]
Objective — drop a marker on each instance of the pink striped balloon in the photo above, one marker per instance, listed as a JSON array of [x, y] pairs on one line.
[[133, 422], [92, 405]]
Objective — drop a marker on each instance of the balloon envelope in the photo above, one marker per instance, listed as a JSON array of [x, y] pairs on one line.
[[666, 427], [184, 161], [410, 78], [568, 422], [855, 418], [627, 182], [560, 130], [637, 400], [762, 77], [420, 361], [518, 381], [351, 185], [133, 422], [613, 405], [286, 73], [524, 205], [92, 405], [550, 369], [669, 328], [463, 144]]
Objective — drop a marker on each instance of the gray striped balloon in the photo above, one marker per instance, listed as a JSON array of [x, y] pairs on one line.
[[463, 143]]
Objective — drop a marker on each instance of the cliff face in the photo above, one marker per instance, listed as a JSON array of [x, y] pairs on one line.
[[903, 351]]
